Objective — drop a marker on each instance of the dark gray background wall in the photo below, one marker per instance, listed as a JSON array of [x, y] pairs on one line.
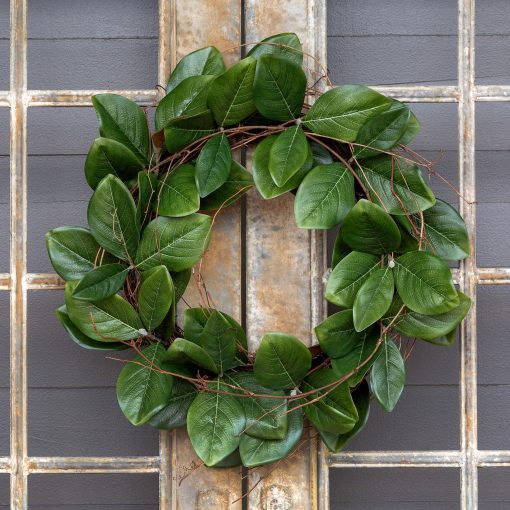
[[72, 408]]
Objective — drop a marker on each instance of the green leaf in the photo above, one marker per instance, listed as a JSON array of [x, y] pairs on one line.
[[446, 340], [111, 320], [111, 215], [369, 228], [73, 252], [286, 45], [101, 282], [184, 352], [394, 184], [215, 423], [361, 398], [205, 61], [424, 282], [155, 296], [266, 418], [82, 340], [341, 111], [124, 121], [340, 250], [239, 182], [279, 88], [232, 460], [177, 243], [188, 99], [213, 164], [373, 298], [412, 129], [321, 156], [388, 375], [331, 407], [110, 157], [181, 280], [147, 186], [324, 197], [262, 176], [142, 390], [231, 94], [174, 414], [256, 452], [381, 132], [178, 194], [348, 276], [195, 320], [281, 361], [181, 132], [288, 154]]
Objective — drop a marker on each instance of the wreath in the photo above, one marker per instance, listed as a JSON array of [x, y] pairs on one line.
[[346, 160]]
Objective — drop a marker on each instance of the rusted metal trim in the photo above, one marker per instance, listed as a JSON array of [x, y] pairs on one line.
[[492, 93], [83, 97], [493, 458], [446, 458], [421, 93]]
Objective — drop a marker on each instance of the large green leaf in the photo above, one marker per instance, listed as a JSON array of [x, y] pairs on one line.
[[331, 407], [256, 451], [101, 282], [340, 112], [178, 243], [348, 276], [373, 298], [368, 228], [195, 320], [215, 423], [279, 88], [231, 94], [412, 129], [181, 280], [239, 182], [142, 390], [73, 252], [321, 156], [424, 282], [83, 340], [388, 375], [111, 320], [178, 194], [147, 186], [286, 45], [180, 133], [155, 296], [266, 417], [281, 362], [184, 352], [288, 154], [213, 164], [395, 185], [262, 175], [108, 156], [124, 121], [340, 250], [205, 61], [324, 197], [111, 215]]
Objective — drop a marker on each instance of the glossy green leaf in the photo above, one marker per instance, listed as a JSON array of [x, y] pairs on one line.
[[324, 197], [446, 340], [340, 250], [286, 45], [279, 88], [101, 282], [178, 193], [368, 228], [424, 282], [373, 298], [111, 320], [412, 129], [181, 280], [257, 452], [181, 132], [321, 156], [83, 340], [142, 391], [231, 94], [108, 156], [281, 361], [348, 276], [205, 61], [111, 215], [165, 331], [177, 243], [288, 154], [388, 374], [124, 121], [215, 423], [147, 187], [184, 352], [341, 111], [213, 164], [195, 320], [155, 296]]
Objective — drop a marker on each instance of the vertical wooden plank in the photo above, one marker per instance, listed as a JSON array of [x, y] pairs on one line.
[[197, 24], [283, 267]]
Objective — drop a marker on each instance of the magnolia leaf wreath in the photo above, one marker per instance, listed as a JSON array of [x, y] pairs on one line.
[[150, 219]]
